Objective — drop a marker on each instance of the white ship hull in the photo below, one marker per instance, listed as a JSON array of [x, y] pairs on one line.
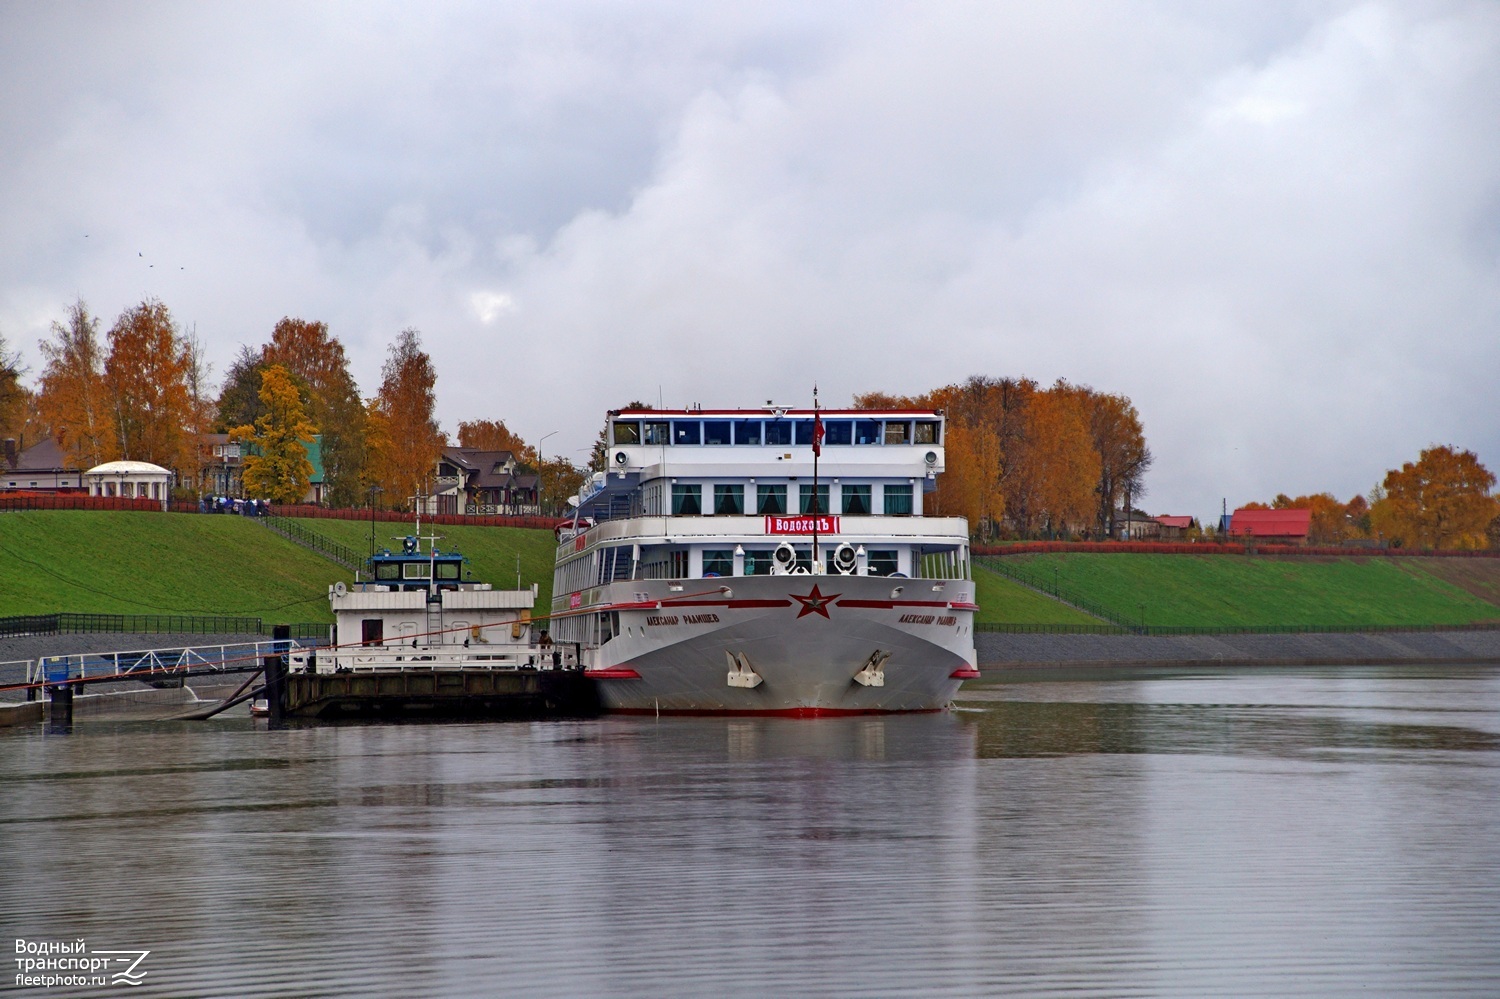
[[785, 644]]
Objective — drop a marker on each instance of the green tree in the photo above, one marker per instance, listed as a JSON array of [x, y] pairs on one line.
[[277, 468]]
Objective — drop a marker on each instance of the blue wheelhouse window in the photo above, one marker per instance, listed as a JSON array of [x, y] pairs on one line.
[[716, 432], [780, 432], [838, 432], [804, 431], [747, 431], [658, 433], [867, 431], [685, 432]]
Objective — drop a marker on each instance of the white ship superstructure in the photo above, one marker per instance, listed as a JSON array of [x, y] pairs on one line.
[[714, 568]]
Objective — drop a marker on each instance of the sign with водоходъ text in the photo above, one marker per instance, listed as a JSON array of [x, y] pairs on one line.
[[804, 524]]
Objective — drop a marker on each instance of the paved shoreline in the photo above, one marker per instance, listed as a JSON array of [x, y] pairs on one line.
[[998, 650]]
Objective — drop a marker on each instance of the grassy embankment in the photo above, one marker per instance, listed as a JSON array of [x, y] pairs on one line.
[[1244, 591], [149, 563], [113, 562]]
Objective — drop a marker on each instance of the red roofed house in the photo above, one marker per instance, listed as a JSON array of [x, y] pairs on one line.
[[1175, 527], [1277, 527]]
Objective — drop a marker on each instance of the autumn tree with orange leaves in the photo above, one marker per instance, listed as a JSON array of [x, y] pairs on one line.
[[316, 360], [1442, 500], [15, 399], [404, 437], [72, 396], [146, 377], [1022, 459]]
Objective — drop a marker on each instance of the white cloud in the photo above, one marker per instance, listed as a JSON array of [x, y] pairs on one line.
[[1274, 227]]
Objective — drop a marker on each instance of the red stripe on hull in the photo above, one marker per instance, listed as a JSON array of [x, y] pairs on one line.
[[891, 604], [964, 674], [616, 673], [775, 712]]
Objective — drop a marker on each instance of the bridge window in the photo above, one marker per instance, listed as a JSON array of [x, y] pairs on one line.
[[770, 499], [447, 570], [898, 500], [883, 563], [718, 562], [838, 432], [804, 431], [856, 499], [729, 499], [687, 499], [716, 431], [414, 570], [657, 433], [897, 433], [747, 431], [867, 431], [628, 433], [779, 432], [387, 570], [685, 432], [926, 432]]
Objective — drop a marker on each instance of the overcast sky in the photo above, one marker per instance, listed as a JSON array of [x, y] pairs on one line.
[[1274, 226]]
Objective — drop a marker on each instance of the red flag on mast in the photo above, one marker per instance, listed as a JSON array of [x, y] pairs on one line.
[[817, 433]]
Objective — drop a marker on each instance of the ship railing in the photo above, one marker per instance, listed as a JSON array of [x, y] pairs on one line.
[[428, 658]]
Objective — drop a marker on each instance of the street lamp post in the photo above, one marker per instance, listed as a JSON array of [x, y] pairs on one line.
[[540, 509], [373, 491]]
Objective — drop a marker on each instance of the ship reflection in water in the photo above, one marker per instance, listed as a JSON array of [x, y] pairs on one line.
[[1309, 832]]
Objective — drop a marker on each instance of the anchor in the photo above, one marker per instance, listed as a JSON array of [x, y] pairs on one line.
[[740, 672], [872, 674]]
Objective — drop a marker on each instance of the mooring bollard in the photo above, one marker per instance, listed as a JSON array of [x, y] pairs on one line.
[[60, 708], [275, 666]]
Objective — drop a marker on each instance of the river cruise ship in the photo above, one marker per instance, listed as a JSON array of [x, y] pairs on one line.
[[770, 561]]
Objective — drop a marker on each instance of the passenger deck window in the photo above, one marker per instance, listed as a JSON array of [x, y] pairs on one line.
[[856, 499], [770, 499], [687, 499], [718, 562], [806, 504], [729, 500], [897, 500], [883, 563]]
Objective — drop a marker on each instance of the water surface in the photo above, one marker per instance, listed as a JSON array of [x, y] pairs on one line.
[[1307, 832]]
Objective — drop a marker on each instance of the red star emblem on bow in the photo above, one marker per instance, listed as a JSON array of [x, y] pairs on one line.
[[815, 602]]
